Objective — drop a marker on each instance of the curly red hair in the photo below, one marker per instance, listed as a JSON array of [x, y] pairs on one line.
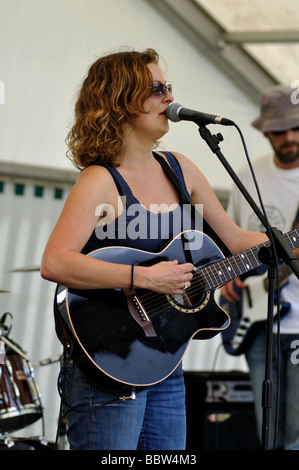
[[115, 85]]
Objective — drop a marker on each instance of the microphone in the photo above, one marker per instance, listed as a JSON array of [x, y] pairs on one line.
[[176, 112]]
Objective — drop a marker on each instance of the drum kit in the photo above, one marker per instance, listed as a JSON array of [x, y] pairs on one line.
[[20, 399]]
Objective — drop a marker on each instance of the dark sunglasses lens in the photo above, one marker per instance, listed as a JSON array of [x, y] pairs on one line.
[[295, 129], [278, 132], [160, 89]]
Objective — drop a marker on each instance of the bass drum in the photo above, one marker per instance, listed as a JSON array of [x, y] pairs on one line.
[[20, 401]]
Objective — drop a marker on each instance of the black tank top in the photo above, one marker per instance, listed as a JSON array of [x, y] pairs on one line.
[[138, 227]]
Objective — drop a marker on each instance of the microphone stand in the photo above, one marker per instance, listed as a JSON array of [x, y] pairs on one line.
[[266, 257]]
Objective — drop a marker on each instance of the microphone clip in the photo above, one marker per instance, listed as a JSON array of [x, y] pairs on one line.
[[212, 140]]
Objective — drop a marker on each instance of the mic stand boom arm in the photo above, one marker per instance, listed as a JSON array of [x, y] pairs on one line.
[[266, 256], [274, 235]]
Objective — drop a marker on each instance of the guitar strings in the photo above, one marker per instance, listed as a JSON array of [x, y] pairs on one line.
[[211, 273], [199, 286], [154, 300]]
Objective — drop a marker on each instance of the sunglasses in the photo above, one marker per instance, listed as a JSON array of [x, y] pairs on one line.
[[161, 89], [295, 129]]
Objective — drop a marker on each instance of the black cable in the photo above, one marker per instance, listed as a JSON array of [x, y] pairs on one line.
[[65, 405], [276, 271]]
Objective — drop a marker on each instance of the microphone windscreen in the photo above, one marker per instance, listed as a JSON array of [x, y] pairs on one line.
[[172, 112]]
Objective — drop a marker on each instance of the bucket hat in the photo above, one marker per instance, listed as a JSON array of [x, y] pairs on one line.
[[279, 110]]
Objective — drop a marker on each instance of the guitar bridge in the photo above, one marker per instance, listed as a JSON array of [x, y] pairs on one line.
[[138, 313]]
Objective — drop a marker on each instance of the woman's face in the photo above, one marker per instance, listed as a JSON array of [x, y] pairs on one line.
[[153, 124]]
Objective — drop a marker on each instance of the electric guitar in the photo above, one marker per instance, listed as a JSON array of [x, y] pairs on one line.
[[249, 314], [127, 340]]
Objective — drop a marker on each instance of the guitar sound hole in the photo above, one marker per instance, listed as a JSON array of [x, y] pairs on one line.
[[189, 301]]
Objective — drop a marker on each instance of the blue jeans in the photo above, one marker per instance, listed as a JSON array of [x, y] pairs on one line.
[[287, 436], [154, 420]]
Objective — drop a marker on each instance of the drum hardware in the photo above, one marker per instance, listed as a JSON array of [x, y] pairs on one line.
[[4, 328], [2, 352], [48, 361], [20, 400], [14, 347], [26, 269], [5, 331], [32, 443]]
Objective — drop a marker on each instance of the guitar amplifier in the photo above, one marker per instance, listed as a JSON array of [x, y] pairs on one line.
[[226, 389], [220, 411]]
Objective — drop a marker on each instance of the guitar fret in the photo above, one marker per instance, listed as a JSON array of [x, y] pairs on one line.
[[211, 279], [256, 259], [225, 272], [245, 262], [230, 268], [233, 266], [292, 240]]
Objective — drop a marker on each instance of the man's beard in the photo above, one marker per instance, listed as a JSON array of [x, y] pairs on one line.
[[287, 157]]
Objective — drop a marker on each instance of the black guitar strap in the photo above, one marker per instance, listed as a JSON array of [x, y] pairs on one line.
[[207, 229]]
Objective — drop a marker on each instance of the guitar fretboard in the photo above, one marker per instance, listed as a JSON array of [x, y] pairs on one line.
[[229, 268]]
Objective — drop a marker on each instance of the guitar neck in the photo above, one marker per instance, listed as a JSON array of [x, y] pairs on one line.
[[229, 268], [284, 272]]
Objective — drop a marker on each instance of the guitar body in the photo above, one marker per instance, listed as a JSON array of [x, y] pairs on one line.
[[124, 340]]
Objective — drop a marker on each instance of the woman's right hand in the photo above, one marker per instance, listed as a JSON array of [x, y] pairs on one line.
[[167, 277]]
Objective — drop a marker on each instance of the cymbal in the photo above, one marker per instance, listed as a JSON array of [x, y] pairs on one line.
[[26, 269]]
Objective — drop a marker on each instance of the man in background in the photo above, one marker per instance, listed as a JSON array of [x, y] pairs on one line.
[[277, 175]]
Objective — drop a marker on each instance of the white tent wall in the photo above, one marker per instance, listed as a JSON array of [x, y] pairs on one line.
[[46, 47]]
